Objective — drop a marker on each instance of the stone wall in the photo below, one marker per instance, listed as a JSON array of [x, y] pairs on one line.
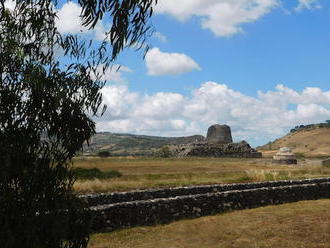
[[106, 198], [108, 217]]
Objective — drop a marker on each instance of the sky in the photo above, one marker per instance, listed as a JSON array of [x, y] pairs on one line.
[[259, 66]]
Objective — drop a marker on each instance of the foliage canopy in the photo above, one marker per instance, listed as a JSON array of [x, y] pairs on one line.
[[46, 105]]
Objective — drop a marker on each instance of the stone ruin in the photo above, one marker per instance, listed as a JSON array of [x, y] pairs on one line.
[[284, 156], [219, 143], [219, 134]]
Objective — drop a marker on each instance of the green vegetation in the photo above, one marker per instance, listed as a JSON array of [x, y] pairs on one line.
[[50, 89], [94, 173], [104, 154], [299, 155], [281, 226], [325, 124]]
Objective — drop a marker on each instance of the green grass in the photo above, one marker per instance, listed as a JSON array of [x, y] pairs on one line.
[[142, 173], [303, 224]]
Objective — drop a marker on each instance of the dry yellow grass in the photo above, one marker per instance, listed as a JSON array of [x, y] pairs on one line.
[[314, 142], [303, 224], [141, 173]]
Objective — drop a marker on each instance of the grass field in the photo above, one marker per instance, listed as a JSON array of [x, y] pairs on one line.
[[296, 225], [301, 224], [141, 173]]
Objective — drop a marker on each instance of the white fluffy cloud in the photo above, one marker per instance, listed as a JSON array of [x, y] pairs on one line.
[[161, 63], [160, 106], [69, 21], [222, 17], [255, 119], [308, 4], [119, 101]]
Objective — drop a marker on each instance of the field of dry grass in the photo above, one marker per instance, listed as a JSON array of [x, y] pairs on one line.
[[141, 173], [303, 224]]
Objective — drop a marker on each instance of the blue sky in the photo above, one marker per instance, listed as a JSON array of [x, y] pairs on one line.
[[280, 47], [260, 66]]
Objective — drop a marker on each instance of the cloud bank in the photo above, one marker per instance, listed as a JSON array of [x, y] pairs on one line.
[[256, 119]]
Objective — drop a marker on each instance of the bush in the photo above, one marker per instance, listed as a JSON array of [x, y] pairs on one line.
[[85, 174], [103, 154], [299, 155]]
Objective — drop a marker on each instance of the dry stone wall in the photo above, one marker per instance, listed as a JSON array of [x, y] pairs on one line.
[[164, 210], [106, 198]]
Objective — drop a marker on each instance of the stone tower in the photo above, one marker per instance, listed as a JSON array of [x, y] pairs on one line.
[[219, 134]]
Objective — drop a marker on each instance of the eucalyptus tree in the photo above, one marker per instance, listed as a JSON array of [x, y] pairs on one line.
[[47, 101]]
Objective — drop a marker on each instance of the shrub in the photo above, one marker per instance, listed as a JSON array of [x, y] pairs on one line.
[[299, 155], [85, 174], [103, 154]]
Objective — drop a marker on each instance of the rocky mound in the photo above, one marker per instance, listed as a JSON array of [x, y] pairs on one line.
[[233, 150]]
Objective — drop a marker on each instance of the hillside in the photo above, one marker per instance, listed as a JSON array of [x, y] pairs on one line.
[[311, 140], [130, 144]]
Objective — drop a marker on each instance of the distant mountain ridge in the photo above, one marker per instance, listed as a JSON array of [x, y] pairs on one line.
[[130, 144]]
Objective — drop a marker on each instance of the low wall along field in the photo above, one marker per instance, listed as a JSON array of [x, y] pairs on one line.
[[158, 206]]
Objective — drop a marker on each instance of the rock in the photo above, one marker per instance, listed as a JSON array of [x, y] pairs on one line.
[[219, 134], [326, 162], [285, 156]]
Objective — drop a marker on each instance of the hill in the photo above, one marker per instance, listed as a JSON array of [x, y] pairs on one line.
[[311, 140], [130, 144]]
